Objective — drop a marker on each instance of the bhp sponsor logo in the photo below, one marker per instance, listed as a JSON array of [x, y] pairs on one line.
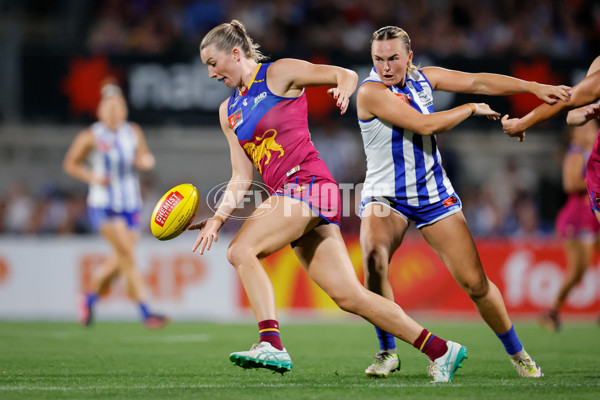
[[167, 277]]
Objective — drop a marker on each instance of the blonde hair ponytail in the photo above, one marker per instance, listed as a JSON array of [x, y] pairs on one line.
[[229, 35]]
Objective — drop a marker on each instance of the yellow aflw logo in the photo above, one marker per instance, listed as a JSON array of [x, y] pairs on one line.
[[265, 145]]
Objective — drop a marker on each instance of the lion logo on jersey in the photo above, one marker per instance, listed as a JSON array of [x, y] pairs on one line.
[[265, 146]]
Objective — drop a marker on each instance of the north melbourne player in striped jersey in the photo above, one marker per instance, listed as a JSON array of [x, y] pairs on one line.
[[406, 182], [107, 156]]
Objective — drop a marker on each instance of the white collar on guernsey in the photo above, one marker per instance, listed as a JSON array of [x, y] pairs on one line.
[[374, 75]]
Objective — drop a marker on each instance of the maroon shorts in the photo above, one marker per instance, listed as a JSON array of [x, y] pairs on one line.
[[576, 220]]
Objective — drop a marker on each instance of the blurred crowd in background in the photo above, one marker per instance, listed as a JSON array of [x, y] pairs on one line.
[[309, 28], [509, 205]]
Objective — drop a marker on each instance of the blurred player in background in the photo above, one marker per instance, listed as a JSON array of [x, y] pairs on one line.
[[265, 122], [406, 182], [583, 109], [106, 156], [576, 224]]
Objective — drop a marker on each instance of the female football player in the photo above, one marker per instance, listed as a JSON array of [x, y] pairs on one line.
[[576, 224], [584, 93], [106, 157], [265, 124], [406, 182]]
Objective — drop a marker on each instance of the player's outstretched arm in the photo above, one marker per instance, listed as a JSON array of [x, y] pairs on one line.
[[288, 77], [376, 100], [492, 84], [580, 116], [585, 92]]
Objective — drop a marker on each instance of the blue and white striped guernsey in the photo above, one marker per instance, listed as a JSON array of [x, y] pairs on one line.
[[400, 163], [113, 156]]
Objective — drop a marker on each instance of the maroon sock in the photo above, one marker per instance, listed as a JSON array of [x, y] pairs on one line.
[[269, 332], [433, 346]]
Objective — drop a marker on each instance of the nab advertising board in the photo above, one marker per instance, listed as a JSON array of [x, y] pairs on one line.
[[159, 90]]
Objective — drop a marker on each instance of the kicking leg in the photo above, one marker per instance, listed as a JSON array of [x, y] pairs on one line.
[[323, 254]]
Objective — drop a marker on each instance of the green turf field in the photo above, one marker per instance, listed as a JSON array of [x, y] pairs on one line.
[[190, 360]]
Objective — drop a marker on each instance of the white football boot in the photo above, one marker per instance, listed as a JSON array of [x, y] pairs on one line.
[[263, 355], [444, 367], [525, 365], [383, 364]]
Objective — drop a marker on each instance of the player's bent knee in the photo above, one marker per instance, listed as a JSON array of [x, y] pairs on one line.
[[349, 302], [233, 254], [346, 304], [238, 253], [125, 255], [477, 289], [376, 261]]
